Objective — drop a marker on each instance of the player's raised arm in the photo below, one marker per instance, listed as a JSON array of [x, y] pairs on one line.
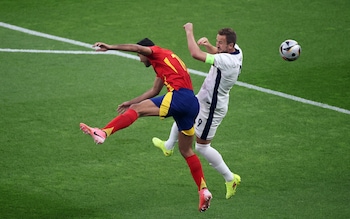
[[194, 49], [208, 46]]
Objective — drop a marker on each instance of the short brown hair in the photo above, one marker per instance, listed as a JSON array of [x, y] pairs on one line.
[[230, 34], [145, 42]]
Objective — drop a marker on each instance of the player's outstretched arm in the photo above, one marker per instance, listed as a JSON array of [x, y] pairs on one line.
[[144, 50]]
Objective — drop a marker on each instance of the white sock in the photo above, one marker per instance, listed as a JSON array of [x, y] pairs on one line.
[[173, 137], [215, 160]]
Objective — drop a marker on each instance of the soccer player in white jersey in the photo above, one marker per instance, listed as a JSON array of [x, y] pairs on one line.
[[226, 62]]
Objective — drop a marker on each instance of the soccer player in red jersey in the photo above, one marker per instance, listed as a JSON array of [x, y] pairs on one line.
[[179, 102]]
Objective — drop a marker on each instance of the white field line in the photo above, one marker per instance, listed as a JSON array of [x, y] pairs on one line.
[[87, 45], [56, 51]]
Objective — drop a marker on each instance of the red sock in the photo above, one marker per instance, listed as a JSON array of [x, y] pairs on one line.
[[196, 170], [122, 121]]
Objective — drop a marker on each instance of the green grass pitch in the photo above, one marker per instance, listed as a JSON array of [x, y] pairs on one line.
[[294, 158]]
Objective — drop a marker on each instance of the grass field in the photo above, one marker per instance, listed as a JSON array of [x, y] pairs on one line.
[[294, 158]]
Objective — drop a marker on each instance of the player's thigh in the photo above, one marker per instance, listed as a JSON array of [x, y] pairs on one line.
[[146, 108], [206, 124]]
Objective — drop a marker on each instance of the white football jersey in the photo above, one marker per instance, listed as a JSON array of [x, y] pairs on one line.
[[223, 74]]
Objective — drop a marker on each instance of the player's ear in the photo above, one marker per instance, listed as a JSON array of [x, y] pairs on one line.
[[231, 45]]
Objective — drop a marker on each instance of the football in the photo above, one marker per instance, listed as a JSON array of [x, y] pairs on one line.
[[290, 50]]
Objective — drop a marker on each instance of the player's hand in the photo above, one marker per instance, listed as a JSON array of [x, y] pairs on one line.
[[123, 107], [99, 46], [203, 42], [188, 27]]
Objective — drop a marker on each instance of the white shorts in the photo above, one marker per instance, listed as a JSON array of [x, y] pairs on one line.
[[208, 121]]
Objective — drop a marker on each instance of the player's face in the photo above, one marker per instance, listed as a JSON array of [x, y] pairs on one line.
[[145, 60], [222, 45]]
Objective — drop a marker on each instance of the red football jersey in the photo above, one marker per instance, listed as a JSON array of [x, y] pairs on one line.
[[170, 68]]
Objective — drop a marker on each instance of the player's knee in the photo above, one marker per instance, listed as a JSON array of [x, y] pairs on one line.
[[201, 148], [134, 107]]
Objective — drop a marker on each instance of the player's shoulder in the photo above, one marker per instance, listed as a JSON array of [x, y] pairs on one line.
[[228, 60], [227, 57], [155, 48]]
